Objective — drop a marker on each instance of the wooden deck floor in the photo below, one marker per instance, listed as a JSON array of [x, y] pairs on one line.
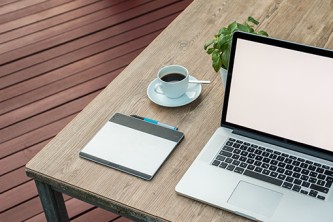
[[55, 57]]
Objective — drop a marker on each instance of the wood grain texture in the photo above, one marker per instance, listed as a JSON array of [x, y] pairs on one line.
[[56, 56], [307, 21]]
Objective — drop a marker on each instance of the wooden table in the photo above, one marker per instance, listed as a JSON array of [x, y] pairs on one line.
[[59, 169]]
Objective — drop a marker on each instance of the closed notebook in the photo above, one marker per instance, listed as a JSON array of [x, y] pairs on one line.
[[132, 145]]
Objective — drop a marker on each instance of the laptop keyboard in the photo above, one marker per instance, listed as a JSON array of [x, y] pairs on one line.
[[290, 172]]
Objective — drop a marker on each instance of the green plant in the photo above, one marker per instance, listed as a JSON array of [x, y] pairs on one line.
[[219, 47]]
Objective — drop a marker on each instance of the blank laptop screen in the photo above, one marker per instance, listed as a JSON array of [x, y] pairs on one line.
[[282, 92]]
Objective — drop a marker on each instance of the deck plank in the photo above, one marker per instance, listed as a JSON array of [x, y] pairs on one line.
[[55, 57]]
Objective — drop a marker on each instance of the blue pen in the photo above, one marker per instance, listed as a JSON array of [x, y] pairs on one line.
[[155, 122]]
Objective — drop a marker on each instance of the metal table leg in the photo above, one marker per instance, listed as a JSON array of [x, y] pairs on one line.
[[53, 203]]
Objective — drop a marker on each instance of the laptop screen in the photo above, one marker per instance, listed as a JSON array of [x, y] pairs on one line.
[[282, 92]]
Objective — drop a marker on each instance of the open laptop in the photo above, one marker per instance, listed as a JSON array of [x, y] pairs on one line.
[[271, 159]]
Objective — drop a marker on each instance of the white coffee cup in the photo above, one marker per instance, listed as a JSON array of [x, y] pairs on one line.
[[172, 81]]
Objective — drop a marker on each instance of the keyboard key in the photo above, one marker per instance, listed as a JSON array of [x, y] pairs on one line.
[[216, 163], [313, 193], [228, 148], [243, 147], [319, 188], [305, 172], [250, 167], [288, 172], [304, 165], [297, 181], [257, 163], [312, 168], [296, 188], [221, 158], [229, 160], [328, 173], [265, 154], [321, 177], [273, 156], [305, 184], [250, 161], [258, 169], [282, 177], [320, 183], [304, 177], [304, 192], [317, 164], [288, 161], [296, 163], [300, 159], [244, 153], [328, 184], [325, 167], [235, 156], [274, 162], [239, 170], [290, 179], [312, 180], [289, 167], [266, 160], [287, 185], [223, 165], [230, 167], [226, 153], [273, 168], [296, 175], [237, 151], [319, 170], [263, 177], [232, 139], [244, 165], [266, 172], [313, 174], [236, 145], [229, 143], [280, 170], [273, 174], [258, 152], [265, 165], [321, 197], [235, 162]]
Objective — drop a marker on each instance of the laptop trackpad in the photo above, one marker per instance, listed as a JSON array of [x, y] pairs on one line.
[[255, 198]]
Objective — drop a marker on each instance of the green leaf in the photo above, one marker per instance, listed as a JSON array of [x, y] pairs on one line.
[[232, 27], [217, 63], [223, 31], [210, 50], [225, 58], [261, 32], [244, 28], [252, 20], [208, 44]]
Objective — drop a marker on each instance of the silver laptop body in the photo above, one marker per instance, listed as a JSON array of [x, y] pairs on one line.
[[271, 159]]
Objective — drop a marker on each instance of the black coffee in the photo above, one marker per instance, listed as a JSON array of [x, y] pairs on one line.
[[173, 77]]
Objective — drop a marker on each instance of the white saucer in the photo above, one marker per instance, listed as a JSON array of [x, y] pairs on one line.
[[193, 92]]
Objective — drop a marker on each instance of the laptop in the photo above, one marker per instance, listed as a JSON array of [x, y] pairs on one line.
[[272, 157]]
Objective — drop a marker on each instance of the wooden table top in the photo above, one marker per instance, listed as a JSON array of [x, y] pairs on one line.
[[305, 21]]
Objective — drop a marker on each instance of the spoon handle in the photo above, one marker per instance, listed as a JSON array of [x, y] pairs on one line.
[[199, 81]]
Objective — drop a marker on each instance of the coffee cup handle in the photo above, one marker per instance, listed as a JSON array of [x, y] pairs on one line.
[[157, 88]]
